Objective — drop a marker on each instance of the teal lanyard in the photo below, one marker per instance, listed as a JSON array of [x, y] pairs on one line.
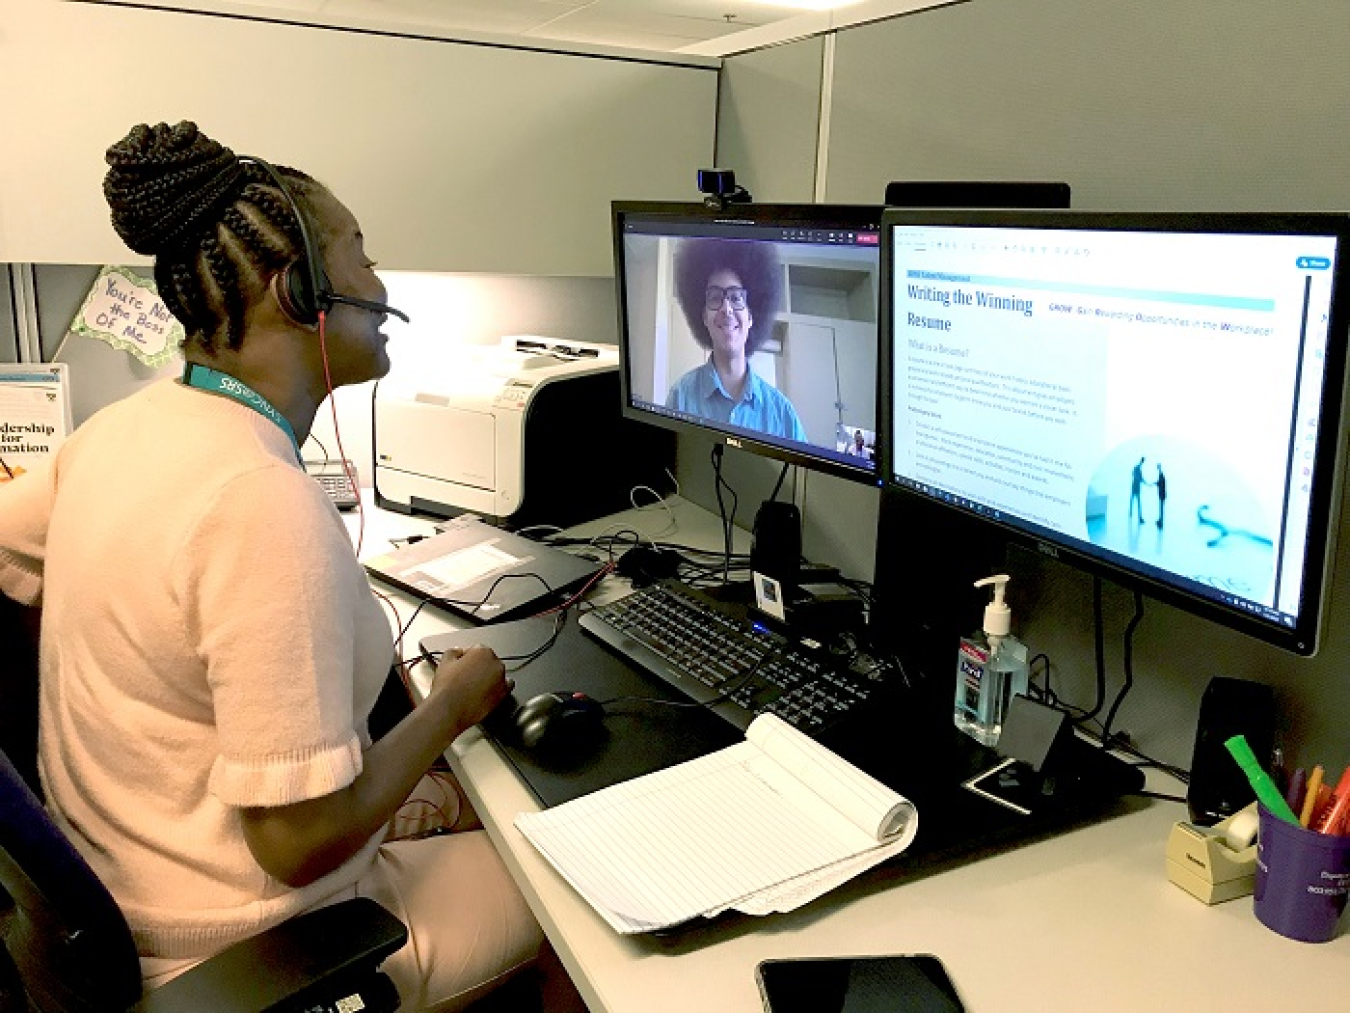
[[213, 380]]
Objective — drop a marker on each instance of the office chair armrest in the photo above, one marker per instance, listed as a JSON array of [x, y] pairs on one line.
[[314, 958]]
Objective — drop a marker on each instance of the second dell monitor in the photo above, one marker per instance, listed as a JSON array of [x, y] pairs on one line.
[[757, 324]]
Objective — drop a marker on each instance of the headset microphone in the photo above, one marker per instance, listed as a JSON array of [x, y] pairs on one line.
[[366, 304], [303, 288]]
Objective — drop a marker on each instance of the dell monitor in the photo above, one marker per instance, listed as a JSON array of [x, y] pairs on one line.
[[755, 324], [1156, 398]]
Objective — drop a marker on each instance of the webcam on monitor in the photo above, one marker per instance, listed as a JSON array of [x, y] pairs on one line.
[[721, 188]]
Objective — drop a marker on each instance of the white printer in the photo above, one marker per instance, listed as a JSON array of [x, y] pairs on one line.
[[528, 431]]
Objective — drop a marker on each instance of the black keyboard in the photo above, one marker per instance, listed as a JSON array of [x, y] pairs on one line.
[[717, 657]]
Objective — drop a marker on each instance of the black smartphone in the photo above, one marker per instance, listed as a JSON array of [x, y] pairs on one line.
[[915, 983]]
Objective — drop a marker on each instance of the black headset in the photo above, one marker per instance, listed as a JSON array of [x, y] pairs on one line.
[[303, 288]]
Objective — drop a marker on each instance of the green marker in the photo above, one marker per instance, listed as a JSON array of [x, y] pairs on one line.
[[1260, 781]]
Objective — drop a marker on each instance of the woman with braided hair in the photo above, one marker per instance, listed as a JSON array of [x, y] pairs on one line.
[[211, 650]]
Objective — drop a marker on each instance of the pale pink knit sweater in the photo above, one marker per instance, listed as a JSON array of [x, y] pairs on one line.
[[209, 642]]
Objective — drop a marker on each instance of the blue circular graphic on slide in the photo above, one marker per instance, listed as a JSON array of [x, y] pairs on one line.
[[1167, 503]]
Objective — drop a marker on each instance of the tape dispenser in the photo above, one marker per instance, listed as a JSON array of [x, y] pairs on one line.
[[1215, 863]]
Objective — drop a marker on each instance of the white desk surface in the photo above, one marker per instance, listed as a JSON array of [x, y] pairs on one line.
[[1084, 922]]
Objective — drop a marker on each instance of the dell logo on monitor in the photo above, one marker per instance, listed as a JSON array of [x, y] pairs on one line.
[[1048, 550]]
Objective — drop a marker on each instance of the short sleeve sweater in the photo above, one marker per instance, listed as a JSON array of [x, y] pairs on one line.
[[209, 642]]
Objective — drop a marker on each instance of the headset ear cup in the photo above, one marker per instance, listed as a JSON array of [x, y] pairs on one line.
[[291, 287]]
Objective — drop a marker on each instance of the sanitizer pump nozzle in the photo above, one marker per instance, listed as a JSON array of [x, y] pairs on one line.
[[997, 614], [991, 668]]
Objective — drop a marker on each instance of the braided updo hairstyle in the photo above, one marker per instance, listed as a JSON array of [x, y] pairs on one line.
[[217, 226]]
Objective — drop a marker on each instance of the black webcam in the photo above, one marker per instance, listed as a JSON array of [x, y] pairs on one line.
[[721, 188]]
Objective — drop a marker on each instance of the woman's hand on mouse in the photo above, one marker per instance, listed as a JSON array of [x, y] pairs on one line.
[[469, 684]]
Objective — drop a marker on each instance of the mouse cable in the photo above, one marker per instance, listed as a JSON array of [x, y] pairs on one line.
[[603, 572], [610, 540], [433, 658], [521, 660], [559, 613], [474, 606]]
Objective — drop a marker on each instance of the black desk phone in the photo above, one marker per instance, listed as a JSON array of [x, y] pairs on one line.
[[336, 478]]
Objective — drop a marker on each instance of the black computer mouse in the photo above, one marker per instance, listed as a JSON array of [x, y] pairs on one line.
[[562, 721]]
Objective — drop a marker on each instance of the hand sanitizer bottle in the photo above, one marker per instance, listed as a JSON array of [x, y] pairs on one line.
[[991, 668]]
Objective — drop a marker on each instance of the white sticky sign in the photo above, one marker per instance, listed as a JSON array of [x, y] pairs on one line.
[[125, 310]]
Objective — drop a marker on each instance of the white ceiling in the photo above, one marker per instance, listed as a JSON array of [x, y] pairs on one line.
[[662, 25]]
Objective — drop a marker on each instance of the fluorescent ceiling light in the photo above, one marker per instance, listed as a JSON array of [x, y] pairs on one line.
[[808, 5]]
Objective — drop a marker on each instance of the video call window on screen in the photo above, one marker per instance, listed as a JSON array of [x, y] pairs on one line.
[[1163, 399], [758, 323]]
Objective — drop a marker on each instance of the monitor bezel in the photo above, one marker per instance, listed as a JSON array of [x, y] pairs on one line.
[[857, 216], [1303, 638]]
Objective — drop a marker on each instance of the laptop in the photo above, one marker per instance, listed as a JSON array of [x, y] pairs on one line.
[[482, 573]]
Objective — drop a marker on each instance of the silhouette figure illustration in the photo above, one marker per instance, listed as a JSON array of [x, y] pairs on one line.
[[1136, 487], [1161, 485]]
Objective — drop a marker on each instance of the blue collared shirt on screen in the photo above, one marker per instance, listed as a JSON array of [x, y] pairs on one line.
[[762, 407]]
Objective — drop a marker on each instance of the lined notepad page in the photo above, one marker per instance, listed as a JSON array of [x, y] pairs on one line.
[[762, 817]]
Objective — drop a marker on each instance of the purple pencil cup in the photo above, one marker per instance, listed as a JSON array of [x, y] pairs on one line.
[[1302, 879]]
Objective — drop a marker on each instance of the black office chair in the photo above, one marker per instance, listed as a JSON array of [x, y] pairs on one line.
[[18, 687], [67, 948]]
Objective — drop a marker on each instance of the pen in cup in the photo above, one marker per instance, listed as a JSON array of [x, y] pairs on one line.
[[1333, 819], [1310, 800], [1260, 781], [1298, 786]]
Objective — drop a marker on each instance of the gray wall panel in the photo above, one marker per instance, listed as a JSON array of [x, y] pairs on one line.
[[453, 157], [768, 114], [1151, 104]]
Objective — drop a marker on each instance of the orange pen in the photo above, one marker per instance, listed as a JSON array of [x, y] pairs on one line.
[[1334, 816], [1310, 799]]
